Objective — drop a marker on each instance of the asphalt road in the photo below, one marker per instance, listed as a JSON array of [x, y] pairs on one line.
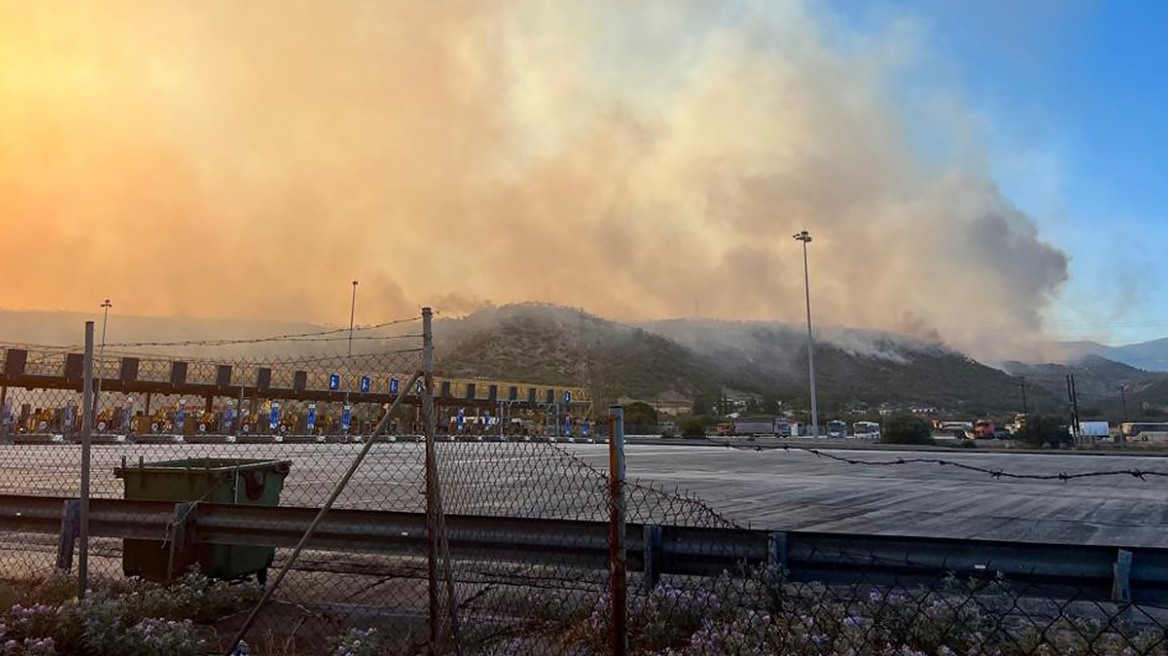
[[770, 489]]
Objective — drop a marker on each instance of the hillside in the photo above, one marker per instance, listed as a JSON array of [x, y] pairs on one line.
[[1096, 378], [559, 346], [555, 345]]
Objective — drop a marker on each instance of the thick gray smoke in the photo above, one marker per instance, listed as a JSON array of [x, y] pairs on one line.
[[639, 160]]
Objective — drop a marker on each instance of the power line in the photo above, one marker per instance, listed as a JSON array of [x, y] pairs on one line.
[[292, 337], [994, 473]]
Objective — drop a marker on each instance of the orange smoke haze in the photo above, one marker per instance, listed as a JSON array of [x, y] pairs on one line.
[[221, 158]]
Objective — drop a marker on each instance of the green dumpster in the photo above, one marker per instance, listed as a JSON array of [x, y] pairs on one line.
[[206, 480]]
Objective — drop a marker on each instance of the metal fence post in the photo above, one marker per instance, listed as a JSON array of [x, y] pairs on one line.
[[86, 427], [618, 585], [435, 611]]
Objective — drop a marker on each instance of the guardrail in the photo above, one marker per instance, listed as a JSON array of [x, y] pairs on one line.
[[1113, 573]]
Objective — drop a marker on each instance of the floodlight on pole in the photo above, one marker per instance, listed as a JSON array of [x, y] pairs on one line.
[[105, 305], [352, 315], [805, 237]]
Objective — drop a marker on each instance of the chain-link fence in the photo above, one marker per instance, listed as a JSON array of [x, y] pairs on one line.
[[403, 512]]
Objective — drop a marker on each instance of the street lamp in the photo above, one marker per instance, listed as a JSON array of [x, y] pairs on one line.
[[106, 305], [352, 314], [805, 237]]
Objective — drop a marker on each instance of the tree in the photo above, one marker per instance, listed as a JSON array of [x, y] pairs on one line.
[[906, 429], [1041, 430], [640, 418], [693, 428]]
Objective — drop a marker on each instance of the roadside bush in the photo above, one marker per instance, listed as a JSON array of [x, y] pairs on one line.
[[129, 616], [693, 429], [1043, 431], [906, 429], [356, 642]]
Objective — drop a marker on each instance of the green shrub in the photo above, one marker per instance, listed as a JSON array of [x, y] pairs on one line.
[[906, 429], [1041, 431], [693, 429]]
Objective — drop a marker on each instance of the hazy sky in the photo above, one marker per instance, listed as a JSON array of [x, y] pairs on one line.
[[969, 169], [1073, 105]]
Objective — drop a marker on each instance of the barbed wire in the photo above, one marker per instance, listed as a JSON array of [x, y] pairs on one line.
[[994, 473], [290, 337]]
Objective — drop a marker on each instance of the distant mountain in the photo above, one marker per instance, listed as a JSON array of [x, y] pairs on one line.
[[1152, 356], [1098, 383], [1149, 356], [558, 346], [1096, 378]]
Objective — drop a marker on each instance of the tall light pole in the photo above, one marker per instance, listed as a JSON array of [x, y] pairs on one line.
[[352, 314], [106, 305], [805, 237]]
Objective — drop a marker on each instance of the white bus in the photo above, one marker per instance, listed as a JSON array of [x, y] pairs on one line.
[[1144, 431], [866, 430]]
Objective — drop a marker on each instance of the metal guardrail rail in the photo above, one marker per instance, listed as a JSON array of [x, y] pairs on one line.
[[1112, 573]]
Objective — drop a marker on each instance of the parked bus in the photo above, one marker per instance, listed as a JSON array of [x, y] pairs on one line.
[[837, 428], [866, 430], [1144, 431]]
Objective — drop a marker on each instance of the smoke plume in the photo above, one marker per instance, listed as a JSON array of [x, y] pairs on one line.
[[641, 160]]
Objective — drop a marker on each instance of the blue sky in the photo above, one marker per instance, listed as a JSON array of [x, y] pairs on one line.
[[1073, 100]]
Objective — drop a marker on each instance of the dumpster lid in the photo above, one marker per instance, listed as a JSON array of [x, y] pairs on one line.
[[204, 465]]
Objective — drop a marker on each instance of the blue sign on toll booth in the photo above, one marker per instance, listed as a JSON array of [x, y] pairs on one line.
[[567, 426], [585, 429], [68, 421], [274, 417], [567, 396], [228, 417], [366, 384], [461, 419], [180, 417], [393, 386], [127, 415], [346, 417], [334, 382], [311, 423]]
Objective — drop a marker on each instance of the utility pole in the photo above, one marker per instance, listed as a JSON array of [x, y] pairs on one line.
[[1123, 395], [805, 237]]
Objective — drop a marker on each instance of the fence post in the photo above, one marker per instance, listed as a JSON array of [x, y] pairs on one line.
[[618, 585], [86, 428], [431, 515]]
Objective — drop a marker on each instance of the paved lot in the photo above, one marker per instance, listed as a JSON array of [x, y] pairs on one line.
[[768, 489], [797, 490]]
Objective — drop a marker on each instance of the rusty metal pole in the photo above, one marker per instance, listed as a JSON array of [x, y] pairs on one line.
[[618, 583], [86, 427], [435, 608]]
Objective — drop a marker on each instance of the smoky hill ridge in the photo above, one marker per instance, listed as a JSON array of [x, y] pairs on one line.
[[563, 346]]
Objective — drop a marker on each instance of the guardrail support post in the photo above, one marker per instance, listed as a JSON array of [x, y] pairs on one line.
[[180, 538], [70, 524], [618, 583], [652, 555], [1121, 584], [777, 551]]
